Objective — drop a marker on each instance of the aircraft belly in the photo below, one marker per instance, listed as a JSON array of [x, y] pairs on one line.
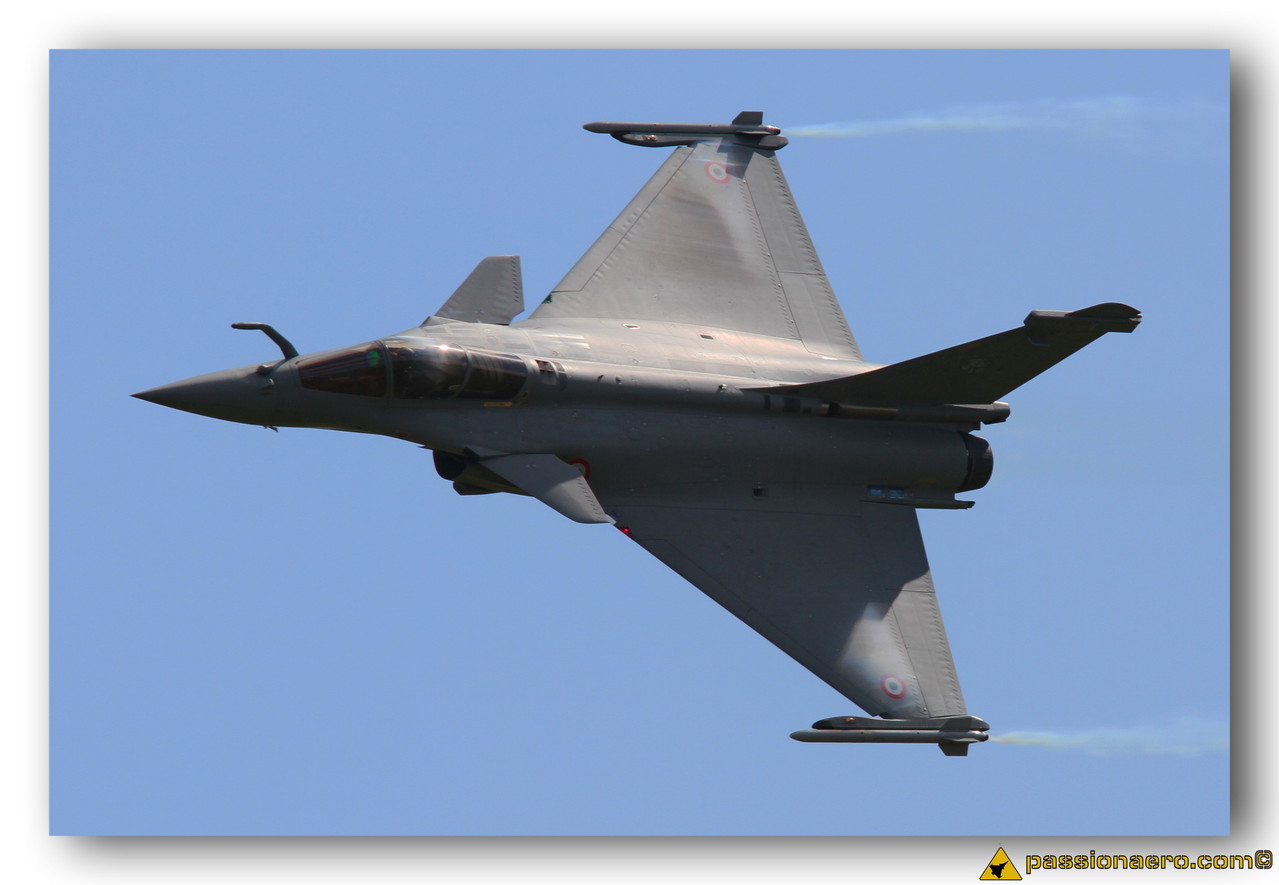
[[653, 449]]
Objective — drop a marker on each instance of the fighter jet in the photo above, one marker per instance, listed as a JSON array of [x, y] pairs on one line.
[[692, 381]]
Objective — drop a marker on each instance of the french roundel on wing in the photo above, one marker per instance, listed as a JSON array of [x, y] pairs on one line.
[[893, 686], [717, 172]]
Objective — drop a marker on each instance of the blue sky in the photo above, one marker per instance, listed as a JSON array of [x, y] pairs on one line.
[[310, 633]]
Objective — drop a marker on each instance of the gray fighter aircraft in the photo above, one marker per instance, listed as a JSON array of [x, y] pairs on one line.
[[693, 382]]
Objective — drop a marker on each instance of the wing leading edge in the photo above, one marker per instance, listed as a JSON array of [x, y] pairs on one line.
[[840, 585], [713, 239]]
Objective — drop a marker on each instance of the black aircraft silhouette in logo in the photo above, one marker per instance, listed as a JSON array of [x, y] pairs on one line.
[[998, 869]]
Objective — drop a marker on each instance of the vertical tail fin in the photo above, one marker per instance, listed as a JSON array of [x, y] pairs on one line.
[[980, 371]]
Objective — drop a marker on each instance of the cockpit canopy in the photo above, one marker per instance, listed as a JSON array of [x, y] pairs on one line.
[[411, 369]]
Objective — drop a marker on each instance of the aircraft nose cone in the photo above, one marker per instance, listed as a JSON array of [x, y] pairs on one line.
[[232, 395]]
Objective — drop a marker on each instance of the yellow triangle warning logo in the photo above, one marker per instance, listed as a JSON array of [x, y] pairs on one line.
[[1000, 869]]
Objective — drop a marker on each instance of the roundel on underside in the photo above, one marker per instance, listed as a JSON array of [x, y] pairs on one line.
[[893, 686]]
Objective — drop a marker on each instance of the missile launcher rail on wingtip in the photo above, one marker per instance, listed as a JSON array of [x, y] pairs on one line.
[[953, 734], [747, 129]]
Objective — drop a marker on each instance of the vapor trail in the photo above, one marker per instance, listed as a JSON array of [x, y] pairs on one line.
[[1052, 115], [1123, 118], [1181, 738]]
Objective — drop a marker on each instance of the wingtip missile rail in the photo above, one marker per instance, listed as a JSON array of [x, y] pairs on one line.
[[953, 734], [747, 128]]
